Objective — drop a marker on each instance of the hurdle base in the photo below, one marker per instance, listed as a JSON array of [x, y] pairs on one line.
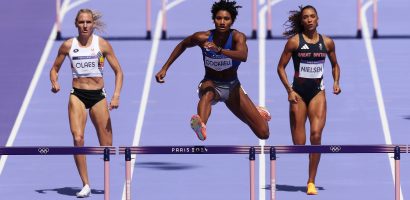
[[59, 36], [164, 35], [254, 34], [269, 35], [375, 34], [148, 36], [359, 34]]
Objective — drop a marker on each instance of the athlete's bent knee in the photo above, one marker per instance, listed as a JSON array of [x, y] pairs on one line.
[[263, 133]]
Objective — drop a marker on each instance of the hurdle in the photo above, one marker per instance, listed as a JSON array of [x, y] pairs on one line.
[[396, 149], [164, 32], [359, 3], [60, 150], [251, 150]]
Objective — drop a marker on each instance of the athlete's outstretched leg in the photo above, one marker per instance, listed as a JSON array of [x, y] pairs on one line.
[[242, 106], [207, 95], [78, 116], [317, 119]]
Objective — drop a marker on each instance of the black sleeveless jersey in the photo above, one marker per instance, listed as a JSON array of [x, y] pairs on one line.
[[308, 61]]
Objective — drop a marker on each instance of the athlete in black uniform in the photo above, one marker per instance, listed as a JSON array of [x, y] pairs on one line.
[[306, 95]]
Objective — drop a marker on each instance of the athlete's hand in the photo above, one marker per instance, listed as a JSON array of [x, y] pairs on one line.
[[336, 89], [55, 87], [160, 76], [293, 97], [115, 102], [211, 46]]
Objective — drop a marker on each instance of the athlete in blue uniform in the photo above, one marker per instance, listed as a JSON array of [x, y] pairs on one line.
[[223, 50], [306, 95], [87, 52]]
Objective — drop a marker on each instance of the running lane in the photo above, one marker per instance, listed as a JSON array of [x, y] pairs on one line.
[[170, 108], [46, 121], [344, 176], [393, 70], [24, 33]]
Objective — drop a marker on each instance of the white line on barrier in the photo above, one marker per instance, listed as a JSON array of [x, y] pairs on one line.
[[147, 84], [32, 87], [262, 91], [377, 86]]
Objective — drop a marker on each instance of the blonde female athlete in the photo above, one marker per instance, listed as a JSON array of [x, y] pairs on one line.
[[86, 53]]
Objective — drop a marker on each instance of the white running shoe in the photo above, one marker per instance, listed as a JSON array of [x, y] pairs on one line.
[[85, 192]]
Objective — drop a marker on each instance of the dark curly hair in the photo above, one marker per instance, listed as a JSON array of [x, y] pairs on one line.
[[294, 22], [227, 5]]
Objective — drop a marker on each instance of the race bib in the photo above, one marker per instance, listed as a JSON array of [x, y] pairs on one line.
[[311, 70], [85, 64], [218, 64]]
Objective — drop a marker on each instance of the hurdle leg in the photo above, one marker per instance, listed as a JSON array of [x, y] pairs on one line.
[[127, 174], [148, 19], [164, 20], [269, 21], [359, 19], [106, 174], [272, 173], [375, 20], [397, 172], [58, 17], [252, 172], [254, 19]]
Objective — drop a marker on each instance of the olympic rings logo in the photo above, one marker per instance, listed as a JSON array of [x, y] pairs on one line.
[[43, 151], [335, 149]]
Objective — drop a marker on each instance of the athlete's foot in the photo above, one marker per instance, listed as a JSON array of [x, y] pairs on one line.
[[311, 189], [199, 127], [264, 113], [85, 192]]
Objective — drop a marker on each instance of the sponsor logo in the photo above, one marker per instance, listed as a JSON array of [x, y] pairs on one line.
[[305, 47]]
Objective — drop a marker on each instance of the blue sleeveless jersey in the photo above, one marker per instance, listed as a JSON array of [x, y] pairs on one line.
[[219, 62]]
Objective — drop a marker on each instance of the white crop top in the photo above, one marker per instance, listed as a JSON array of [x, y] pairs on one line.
[[86, 61]]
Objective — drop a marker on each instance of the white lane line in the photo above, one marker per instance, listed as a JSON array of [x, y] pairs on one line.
[[262, 92], [32, 87], [147, 84], [73, 5], [377, 86]]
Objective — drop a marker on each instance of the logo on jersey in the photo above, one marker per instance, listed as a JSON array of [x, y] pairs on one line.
[[305, 47], [75, 50], [320, 46]]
